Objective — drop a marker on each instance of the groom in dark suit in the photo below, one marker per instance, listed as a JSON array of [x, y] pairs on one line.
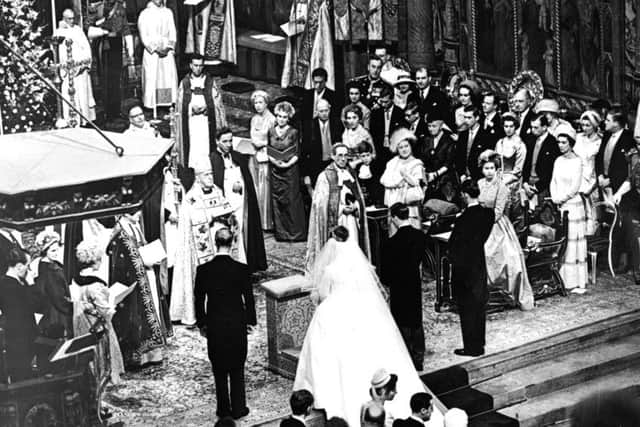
[[401, 273], [469, 269], [225, 322]]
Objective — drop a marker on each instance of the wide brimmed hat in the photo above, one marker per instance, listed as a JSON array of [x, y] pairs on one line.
[[400, 135], [380, 378], [404, 78], [547, 106], [45, 239]]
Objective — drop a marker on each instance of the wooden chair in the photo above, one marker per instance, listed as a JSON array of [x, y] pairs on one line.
[[606, 218]]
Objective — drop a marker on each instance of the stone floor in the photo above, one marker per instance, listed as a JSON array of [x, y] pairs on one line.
[[180, 392]]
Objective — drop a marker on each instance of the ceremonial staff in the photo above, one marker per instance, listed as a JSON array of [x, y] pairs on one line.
[[119, 150]]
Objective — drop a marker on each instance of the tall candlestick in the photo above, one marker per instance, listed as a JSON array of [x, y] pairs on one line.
[[53, 16]]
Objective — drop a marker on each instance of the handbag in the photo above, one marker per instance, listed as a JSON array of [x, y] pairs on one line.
[[414, 195]]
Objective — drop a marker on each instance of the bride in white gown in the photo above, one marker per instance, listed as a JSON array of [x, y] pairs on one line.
[[351, 336]]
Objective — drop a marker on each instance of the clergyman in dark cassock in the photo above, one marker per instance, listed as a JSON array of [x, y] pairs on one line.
[[402, 256], [230, 309], [469, 269]]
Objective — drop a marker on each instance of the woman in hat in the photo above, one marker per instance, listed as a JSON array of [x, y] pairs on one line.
[[403, 176], [467, 92], [587, 146], [551, 109], [403, 90], [513, 153], [565, 192]]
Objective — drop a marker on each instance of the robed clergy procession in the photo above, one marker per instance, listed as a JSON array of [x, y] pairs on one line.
[[320, 212]]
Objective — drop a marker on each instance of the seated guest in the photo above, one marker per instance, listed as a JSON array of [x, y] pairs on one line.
[[138, 125], [320, 91], [354, 92], [471, 142], [417, 125], [403, 177], [513, 153], [404, 92], [354, 133], [366, 82], [551, 110], [18, 303], [384, 121], [301, 402], [91, 305], [319, 135], [288, 207], [456, 417], [538, 164], [336, 422], [438, 157], [506, 266], [421, 410], [565, 192], [369, 183]]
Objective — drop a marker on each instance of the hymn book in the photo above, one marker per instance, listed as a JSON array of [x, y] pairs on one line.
[[118, 292], [284, 155]]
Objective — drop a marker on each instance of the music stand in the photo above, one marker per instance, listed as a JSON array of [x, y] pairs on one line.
[[74, 347]]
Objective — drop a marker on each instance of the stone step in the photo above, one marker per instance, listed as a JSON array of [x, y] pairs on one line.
[[555, 408], [562, 372]]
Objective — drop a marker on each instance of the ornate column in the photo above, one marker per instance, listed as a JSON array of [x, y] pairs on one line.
[[420, 33]]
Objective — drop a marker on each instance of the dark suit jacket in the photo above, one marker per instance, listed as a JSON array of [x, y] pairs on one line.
[[311, 163], [407, 422], [256, 255], [376, 128], [466, 253], [225, 284], [403, 254], [618, 167], [443, 155], [5, 247], [525, 129], [307, 103], [291, 422], [480, 143], [549, 152], [436, 100], [364, 83], [493, 132]]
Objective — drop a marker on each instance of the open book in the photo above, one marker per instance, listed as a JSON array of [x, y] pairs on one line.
[[118, 292], [152, 253]]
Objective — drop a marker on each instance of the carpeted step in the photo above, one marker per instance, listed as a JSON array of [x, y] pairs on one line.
[[471, 400], [493, 419], [447, 379], [563, 371], [556, 407]]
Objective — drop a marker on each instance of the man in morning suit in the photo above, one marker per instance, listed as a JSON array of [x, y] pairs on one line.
[[225, 322], [612, 167], [491, 121], [318, 136], [430, 97], [301, 403], [320, 91], [384, 121], [402, 256], [417, 125], [471, 143], [523, 105], [538, 164], [421, 409], [469, 269]]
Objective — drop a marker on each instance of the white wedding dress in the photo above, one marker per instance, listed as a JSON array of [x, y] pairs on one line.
[[351, 335]]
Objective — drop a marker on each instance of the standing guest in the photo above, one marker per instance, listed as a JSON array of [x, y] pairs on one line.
[[602, 107], [354, 133], [142, 324], [81, 55], [469, 269], [430, 97], [629, 201], [320, 91], [523, 103], [204, 210], [159, 75], [491, 121], [369, 183], [138, 125], [404, 92], [551, 110], [403, 254], [506, 265], [319, 135], [226, 319], [19, 302], [301, 403], [199, 113], [403, 177], [384, 121], [286, 195], [587, 146], [421, 410], [538, 164], [8, 241], [565, 192], [90, 296], [231, 174], [513, 153], [261, 122], [471, 143], [383, 389], [373, 416], [366, 82], [466, 94], [417, 125], [456, 417], [330, 206], [354, 92], [438, 157]]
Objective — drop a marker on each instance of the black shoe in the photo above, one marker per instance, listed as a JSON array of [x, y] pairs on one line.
[[464, 352], [242, 413]]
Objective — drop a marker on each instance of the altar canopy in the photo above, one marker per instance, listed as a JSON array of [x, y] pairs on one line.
[[73, 174]]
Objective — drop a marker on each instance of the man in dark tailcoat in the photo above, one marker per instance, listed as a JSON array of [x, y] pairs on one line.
[[430, 97], [318, 136], [417, 125], [224, 162], [539, 161], [310, 99], [491, 122], [402, 256], [301, 402], [384, 121], [523, 104], [230, 311], [469, 269], [471, 143]]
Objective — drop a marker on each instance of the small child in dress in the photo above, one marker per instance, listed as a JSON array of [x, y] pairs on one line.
[[370, 184]]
